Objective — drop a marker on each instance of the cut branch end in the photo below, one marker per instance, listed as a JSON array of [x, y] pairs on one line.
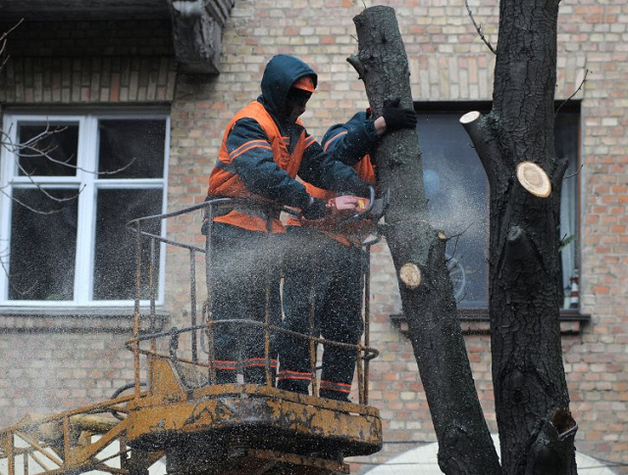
[[470, 117], [410, 275], [534, 179], [354, 61]]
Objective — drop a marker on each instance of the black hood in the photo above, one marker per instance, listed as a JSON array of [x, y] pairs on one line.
[[280, 73]]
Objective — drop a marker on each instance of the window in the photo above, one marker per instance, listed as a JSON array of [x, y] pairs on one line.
[[458, 193], [69, 184]]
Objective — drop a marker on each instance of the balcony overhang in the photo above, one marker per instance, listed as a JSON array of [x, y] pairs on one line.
[[196, 24]]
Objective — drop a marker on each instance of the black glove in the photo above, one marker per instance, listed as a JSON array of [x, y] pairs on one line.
[[397, 118], [316, 209]]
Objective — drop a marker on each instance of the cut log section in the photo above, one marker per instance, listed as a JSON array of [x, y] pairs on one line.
[[469, 117], [410, 275], [534, 179]]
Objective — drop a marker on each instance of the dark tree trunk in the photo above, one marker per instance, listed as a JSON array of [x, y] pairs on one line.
[[418, 252], [531, 398]]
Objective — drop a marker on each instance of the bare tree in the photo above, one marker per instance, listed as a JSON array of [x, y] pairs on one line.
[[41, 145], [418, 252], [536, 428], [515, 143]]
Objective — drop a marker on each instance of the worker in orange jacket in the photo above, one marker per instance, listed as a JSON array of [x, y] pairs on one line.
[[265, 147], [327, 265]]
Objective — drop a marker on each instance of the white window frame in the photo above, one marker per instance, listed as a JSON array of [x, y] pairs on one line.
[[89, 183]]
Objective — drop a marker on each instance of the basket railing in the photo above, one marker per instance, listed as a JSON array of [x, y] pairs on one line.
[[190, 349]]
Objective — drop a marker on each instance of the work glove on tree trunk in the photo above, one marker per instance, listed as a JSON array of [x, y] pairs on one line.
[[397, 118]]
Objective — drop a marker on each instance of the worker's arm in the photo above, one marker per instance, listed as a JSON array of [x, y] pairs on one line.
[[252, 159], [349, 142], [324, 171]]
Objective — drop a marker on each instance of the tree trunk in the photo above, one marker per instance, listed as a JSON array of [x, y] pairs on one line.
[[531, 399], [418, 252]]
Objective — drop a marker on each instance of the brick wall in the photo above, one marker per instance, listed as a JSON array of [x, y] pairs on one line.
[[47, 372], [105, 62], [448, 62]]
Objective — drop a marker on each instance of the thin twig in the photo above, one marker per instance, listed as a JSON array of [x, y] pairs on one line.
[[574, 173], [13, 287], [8, 32], [458, 235], [4, 61], [41, 188], [31, 143], [478, 28], [15, 200], [3, 43], [584, 79]]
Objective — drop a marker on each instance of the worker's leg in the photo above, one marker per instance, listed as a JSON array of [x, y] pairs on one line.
[[226, 284], [264, 304], [304, 283], [341, 321]]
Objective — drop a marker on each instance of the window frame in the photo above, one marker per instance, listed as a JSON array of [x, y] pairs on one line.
[[476, 319], [89, 183]]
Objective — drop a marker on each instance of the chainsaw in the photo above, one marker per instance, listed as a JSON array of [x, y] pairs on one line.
[[346, 210]]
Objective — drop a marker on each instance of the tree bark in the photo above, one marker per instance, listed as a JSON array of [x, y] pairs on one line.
[[531, 398], [418, 252]]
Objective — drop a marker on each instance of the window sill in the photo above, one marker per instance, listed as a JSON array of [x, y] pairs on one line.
[[74, 319], [474, 322]]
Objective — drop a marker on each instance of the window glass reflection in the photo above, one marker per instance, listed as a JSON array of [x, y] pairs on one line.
[[457, 189], [131, 148], [43, 245], [115, 251]]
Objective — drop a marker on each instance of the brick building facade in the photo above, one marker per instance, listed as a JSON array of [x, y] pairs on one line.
[[59, 357]]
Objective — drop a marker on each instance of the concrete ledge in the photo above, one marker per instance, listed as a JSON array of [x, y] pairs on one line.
[[74, 319], [474, 322]]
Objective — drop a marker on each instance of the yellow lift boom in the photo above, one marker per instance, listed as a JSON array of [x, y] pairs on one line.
[[181, 416]]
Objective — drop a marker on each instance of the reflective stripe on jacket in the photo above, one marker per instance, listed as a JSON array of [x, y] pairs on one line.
[[224, 180]]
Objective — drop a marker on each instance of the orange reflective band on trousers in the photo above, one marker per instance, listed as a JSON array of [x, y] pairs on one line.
[[340, 387], [294, 376], [225, 365], [258, 363]]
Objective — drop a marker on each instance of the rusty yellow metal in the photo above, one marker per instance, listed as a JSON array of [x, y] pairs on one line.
[[79, 454], [279, 462], [245, 408], [61, 444], [261, 426], [9, 452], [222, 411], [200, 427], [39, 448], [163, 380]]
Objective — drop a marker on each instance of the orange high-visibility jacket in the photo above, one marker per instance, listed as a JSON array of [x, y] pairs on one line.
[[224, 182]]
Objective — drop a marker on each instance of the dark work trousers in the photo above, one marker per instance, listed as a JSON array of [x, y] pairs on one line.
[[245, 269], [333, 271]]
